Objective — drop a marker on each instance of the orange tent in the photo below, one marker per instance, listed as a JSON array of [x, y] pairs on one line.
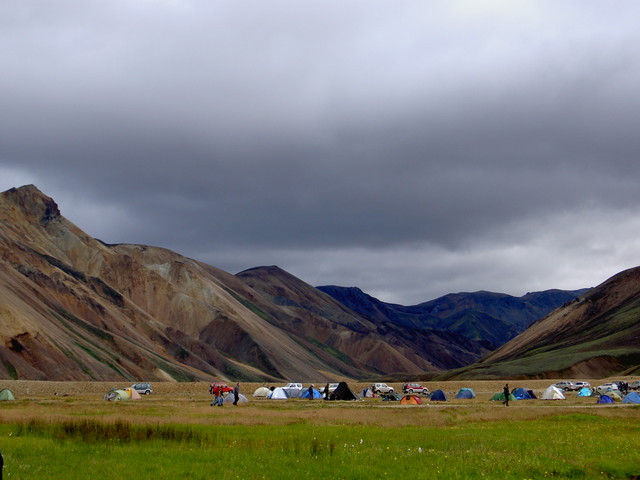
[[410, 400], [133, 395]]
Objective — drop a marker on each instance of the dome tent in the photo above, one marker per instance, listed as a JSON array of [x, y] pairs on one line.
[[553, 393], [439, 396], [410, 400], [6, 394], [466, 393], [262, 392]]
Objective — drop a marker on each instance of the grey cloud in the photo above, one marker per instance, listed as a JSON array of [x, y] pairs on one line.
[[283, 132]]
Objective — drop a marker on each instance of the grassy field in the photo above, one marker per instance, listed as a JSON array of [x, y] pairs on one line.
[[67, 431]]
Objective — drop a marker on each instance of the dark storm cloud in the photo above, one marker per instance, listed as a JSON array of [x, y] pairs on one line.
[[411, 150]]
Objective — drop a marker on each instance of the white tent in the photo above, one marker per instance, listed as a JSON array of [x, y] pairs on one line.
[[553, 393], [279, 393], [262, 392], [241, 398]]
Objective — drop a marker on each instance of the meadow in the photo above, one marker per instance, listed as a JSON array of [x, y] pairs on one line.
[[57, 430]]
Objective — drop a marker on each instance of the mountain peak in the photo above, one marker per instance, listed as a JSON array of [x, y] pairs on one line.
[[33, 203]]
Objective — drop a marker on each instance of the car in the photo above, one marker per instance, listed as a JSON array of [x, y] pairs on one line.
[[414, 388], [581, 385], [143, 388], [293, 385], [634, 385], [565, 385], [379, 388], [332, 387], [606, 387]]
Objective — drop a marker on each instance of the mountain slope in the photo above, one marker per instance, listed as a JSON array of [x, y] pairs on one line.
[[75, 308], [381, 345], [596, 335]]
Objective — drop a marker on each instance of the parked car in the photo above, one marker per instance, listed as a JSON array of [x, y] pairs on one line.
[[565, 385], [143, 388], [607, 386], [634, 385], [332, 387], [581, 385], [379, 388], [293, 385], [414, 388]]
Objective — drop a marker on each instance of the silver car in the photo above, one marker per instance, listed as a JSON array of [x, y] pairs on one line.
[[143, 388]]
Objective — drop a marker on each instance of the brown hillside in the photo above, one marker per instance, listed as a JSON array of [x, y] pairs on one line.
[[74, 308]]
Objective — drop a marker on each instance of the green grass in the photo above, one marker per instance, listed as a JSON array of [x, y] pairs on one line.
[[582, 446]]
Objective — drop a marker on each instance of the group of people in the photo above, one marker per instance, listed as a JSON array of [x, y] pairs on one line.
[[218, 394]]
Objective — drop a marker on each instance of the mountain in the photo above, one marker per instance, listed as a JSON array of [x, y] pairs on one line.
[[75, 308], [595, 335], [487, 317]]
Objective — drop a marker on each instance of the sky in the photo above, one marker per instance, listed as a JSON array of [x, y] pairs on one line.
[[411, 149]]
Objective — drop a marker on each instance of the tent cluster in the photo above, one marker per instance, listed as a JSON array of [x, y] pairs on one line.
[[342, 392], [121, 395]]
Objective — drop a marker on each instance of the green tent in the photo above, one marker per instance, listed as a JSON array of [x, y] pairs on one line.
[[116, 395], [500, 397], [6, 394]]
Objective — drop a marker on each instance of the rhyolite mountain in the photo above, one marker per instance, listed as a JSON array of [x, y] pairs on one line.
[[75, 308], [487, 317]]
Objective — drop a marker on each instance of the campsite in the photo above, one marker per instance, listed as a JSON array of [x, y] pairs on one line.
[[174, 433]]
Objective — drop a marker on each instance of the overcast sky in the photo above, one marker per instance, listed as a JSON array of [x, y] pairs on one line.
[[409, 148]]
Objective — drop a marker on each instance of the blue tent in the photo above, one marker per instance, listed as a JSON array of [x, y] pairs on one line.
[[605, 399], [633, 397], [584, 392], [465, 393], [439, 396], [316, 393], [523, 394]]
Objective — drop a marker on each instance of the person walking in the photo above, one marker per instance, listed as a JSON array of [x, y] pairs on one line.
[[236, 394], [216, 393], [506, 394]]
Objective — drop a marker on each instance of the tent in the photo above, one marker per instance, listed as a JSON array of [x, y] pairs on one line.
[[499, 397], [278, 393], [262, 392], [633, 397], [584, 392], [316, 394], [553, 393], [367, 393], [390, 397], [439, 396], [133, 394], [117, 395], [605, 399], [241, 398], [6, 394], [615, 395], [410, 400], [343, 392], [523, 393], [465, 393]]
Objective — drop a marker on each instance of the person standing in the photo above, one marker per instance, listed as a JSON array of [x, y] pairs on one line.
[[506, 394], [311, 392], [326, 392], [236, 394]]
